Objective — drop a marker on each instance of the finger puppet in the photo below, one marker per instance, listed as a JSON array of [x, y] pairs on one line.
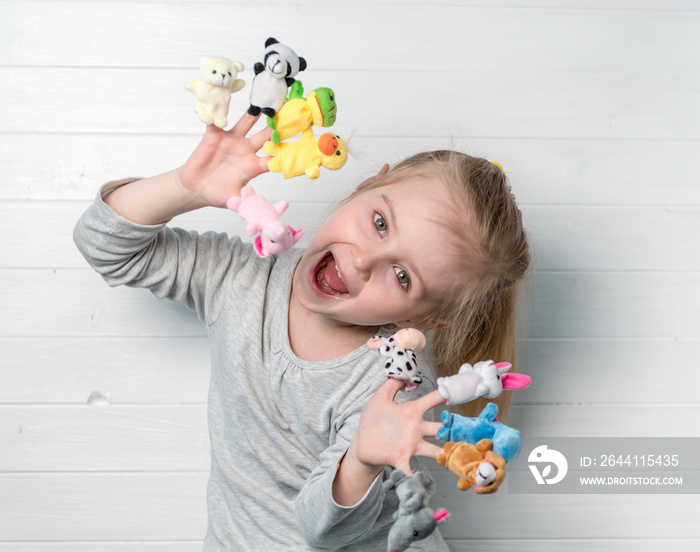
[[275, 236], [297, 114], [414, 520], [213, 91], [399, 350], [507, 441], [272, 78], [475, 465], [307, 155], [484, 379]]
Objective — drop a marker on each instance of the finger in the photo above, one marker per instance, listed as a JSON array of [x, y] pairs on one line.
[[389, 389], [404, 465], [211, 130], [264, 164], [428, 450], [384, 169], [260, 137], [430, 429], [431, 400], [244, 124]]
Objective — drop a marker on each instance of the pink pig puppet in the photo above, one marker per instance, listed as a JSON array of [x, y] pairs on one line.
[[484, 379], [275, 236]]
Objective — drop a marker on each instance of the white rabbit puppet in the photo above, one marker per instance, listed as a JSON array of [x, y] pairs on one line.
[[484, 379]]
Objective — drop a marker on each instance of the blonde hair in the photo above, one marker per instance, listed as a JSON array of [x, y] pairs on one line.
[[482, 313]]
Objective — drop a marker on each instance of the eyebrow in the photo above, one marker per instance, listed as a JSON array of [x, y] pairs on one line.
[[392, 214]]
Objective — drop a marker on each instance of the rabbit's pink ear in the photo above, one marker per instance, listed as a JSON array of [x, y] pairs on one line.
[[515, 381], [503, 367]]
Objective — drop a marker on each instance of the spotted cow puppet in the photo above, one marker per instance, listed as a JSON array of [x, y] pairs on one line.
[[400, 352]]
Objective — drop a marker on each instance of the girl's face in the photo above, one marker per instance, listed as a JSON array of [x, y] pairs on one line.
[[381, 258]]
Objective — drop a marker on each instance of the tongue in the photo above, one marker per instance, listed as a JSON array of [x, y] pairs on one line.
[[332, 280]]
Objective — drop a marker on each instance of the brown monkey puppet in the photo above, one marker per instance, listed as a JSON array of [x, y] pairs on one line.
[[475, 464]]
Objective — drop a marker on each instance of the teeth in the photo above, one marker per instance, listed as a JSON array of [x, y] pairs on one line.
[[335, 265], [321, 269]]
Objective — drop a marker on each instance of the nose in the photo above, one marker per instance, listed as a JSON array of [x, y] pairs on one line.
[[364, 260]]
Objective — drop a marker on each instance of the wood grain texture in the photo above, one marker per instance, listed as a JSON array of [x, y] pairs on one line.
[[579, 41], [591, 305], [103, 506], [579, 172], [125, 370], [101, 546], [591, 107], [170, 438], [494, 105], [564, 237]]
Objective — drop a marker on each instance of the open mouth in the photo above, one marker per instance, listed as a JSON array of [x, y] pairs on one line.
[[328, 277]]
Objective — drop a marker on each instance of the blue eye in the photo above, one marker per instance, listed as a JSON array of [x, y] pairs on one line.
[[402, 276], [380, 224]]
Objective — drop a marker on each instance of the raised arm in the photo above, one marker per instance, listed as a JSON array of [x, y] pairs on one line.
[[222, 163]]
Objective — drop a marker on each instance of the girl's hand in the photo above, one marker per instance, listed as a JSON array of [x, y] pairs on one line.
[[390, 432], [224, 162]]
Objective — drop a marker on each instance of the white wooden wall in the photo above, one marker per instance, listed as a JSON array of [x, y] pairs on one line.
[[590, 105]]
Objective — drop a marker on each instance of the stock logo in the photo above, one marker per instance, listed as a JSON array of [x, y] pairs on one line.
[[540, 462]]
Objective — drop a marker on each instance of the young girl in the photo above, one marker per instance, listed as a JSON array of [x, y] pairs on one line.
[[304, 425]]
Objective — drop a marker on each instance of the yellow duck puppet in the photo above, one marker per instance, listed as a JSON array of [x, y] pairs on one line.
[[307, 155]]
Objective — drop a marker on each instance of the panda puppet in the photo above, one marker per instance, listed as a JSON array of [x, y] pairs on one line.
[[273, 77]]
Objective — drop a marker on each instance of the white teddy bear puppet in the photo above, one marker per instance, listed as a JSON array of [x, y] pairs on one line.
[[214, 91]]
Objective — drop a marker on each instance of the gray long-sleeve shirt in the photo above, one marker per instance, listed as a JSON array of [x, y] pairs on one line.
[[278, 424]]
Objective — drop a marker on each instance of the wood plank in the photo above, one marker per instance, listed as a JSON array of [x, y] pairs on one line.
[[101, 546], [171, 371], [561, 517], [573, 545], [605, 305], [127, 507], [104, 438], [173, 439], [607, 420], [103, 507], [494, 105], [608, 372], [591, 305], [122, 34], [6, 47], [566, 517], [41, 232], [617, 238], [126, 371], [87, 307], [580, 172], [33, 234], [604, 5]]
